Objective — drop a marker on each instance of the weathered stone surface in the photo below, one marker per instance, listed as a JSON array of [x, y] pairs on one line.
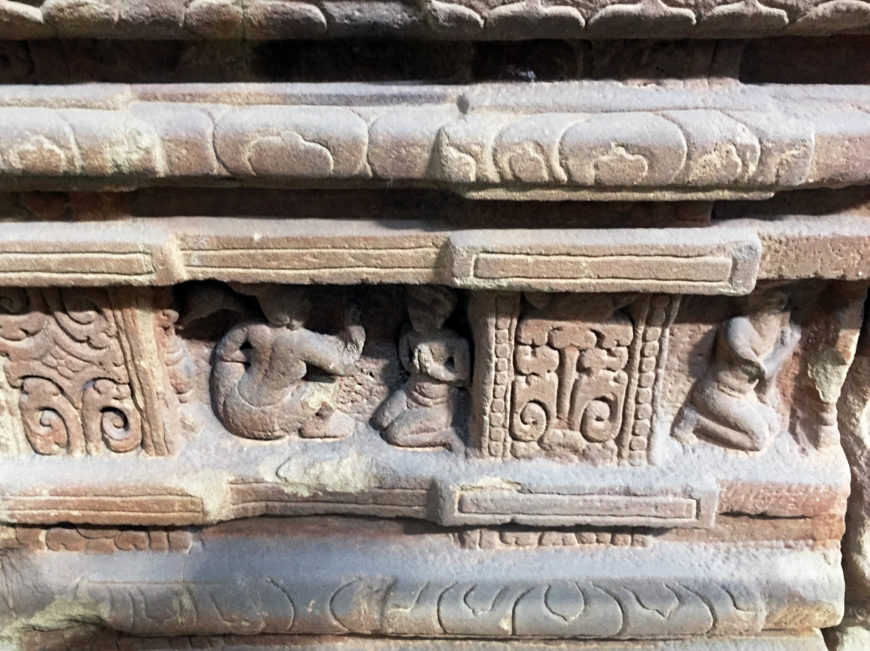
[[424, 325], [512, 415], [773, 642], [584, 140], [724, 258], [854, 400], [310, 578], [353, 423], [272, 19]]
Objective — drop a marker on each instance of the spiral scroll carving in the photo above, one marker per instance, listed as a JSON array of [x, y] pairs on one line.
[[601, 419], [64, 354], [51, 422], [571, 359], [111, 417], [531, 422]]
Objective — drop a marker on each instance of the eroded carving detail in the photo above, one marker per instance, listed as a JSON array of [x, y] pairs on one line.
[[599, 608], [763, 141], [179, 367], [735, 403], [261, 384], [422, 413], [516, 538], [102, 540], [571, 382], [70, 354], [649, 352], [494, 315]]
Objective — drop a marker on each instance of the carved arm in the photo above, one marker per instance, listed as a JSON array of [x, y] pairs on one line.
[[739, 333], [334, 354], [229, 348]]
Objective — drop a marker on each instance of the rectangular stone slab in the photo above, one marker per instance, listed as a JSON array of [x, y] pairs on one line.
[[163, 251], [665, 260], [156, 251], [126, 248]]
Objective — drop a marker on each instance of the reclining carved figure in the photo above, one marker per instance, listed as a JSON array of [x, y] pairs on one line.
[[734, 403], [260, 383]]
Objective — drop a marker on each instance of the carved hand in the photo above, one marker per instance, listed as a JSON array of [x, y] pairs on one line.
[[454, 370], [423, 361]]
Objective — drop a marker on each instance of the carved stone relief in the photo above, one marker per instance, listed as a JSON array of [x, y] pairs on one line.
[[179, 367], [353, 394], [520, 592], [261, 384], [458, 19], [572, 376], [71, 356], [480, 140], [434, 324], [423, 412], [735, 403], [585, 371], [761, 372], [355, 401], [271, 376]]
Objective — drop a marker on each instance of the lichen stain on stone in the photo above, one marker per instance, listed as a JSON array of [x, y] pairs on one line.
[[493, 483], [209, 485], [61, 613], [354, 473]]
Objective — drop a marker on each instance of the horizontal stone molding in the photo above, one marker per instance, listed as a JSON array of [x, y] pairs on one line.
[[679, 260], [725, 258], [571, 140], [676, 260], [784, 641], [151, 508], [471, 505], [450, 19], [311, 581], [365, 476]]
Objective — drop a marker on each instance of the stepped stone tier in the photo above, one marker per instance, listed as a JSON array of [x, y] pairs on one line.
[[588, 140], [450, 19], [422, 325]]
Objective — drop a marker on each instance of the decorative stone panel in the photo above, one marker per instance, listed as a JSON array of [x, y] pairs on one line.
[[433, 325]]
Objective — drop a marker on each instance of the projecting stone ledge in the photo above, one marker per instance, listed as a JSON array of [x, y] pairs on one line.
[[583, 140], [450, 19], [165, 251], [810, 641], [725, 258], [309, 577]]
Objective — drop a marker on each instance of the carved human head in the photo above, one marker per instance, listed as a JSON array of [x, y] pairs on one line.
[[767, 301], [429, 306], [284, 305]]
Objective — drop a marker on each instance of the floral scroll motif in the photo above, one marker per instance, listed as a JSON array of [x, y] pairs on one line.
[[572, 376], [571, 380], [64, 353]]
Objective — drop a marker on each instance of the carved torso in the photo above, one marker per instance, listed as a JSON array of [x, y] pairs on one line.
[[431, 359]]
